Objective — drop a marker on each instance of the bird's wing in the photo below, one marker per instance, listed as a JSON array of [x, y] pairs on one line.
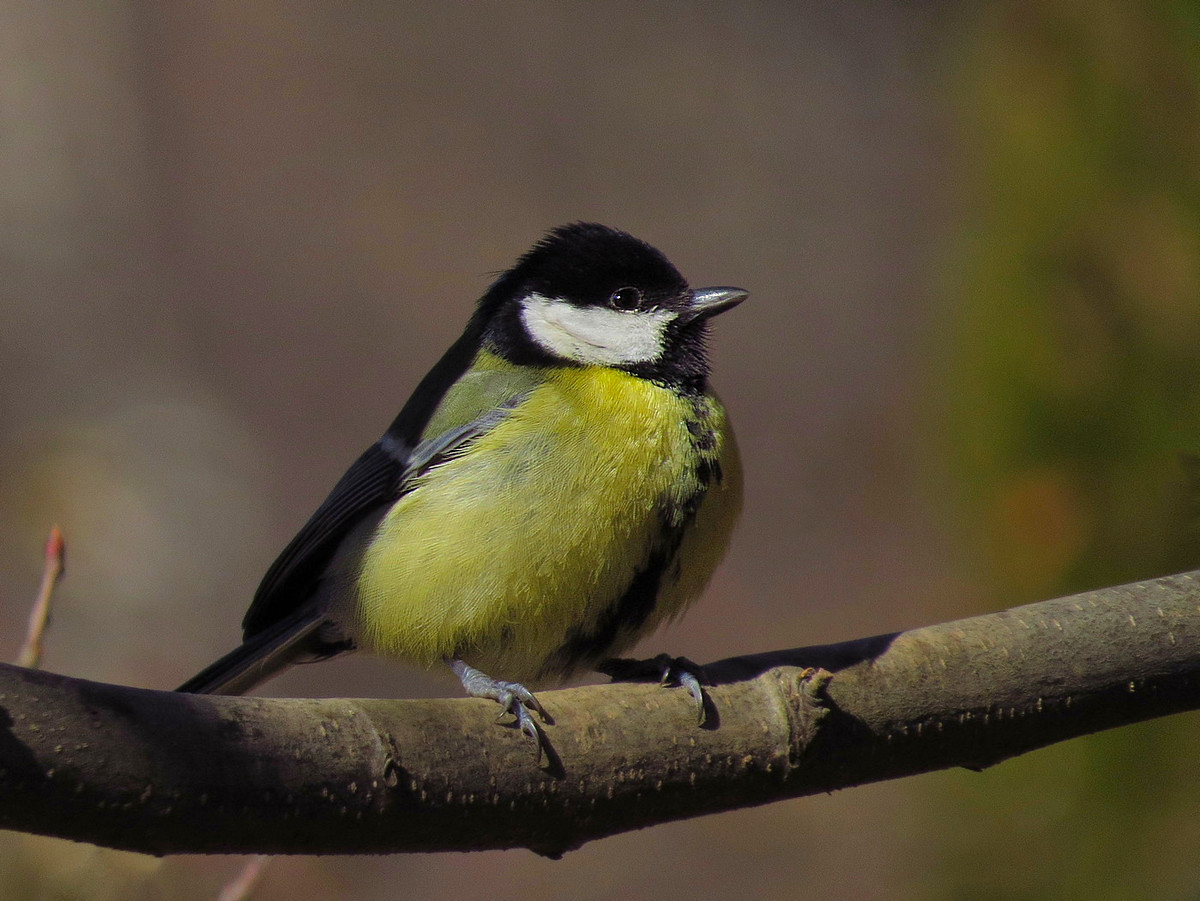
[[372, 480], [377, 478]]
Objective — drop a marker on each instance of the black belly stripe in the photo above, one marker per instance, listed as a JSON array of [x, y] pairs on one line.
[[585, 645]]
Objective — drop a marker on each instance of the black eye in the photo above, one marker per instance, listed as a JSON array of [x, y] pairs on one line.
[[625, 299]]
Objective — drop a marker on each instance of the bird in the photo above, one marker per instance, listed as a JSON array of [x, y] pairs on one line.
[[560, 483]]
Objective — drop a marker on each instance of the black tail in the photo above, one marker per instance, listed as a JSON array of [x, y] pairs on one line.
[[292, 640]]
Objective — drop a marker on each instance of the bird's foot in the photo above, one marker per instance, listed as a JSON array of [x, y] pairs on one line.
[[513, 697], [669, 671]]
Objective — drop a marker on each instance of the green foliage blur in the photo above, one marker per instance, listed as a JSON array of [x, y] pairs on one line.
[[1072, 411]]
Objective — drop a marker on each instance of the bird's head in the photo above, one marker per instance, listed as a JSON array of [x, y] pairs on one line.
[[589, 295]]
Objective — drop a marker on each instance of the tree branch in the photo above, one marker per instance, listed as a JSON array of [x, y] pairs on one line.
[[163, 772]]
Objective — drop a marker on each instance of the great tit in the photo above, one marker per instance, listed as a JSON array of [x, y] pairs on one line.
[[559, 484]]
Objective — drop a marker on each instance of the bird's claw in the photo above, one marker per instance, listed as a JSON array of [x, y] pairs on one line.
[[689, 681], [513, 697], [670, 671], [689, 676]]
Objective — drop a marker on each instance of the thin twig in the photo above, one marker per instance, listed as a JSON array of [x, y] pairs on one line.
[[31, 651], [240, 886]]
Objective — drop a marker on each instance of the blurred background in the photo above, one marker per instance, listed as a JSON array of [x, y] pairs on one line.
[[234, 235]]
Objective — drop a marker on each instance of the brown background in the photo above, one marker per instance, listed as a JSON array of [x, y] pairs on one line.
[[234, 235]]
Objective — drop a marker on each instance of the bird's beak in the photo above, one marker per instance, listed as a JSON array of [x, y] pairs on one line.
[[711, 301]]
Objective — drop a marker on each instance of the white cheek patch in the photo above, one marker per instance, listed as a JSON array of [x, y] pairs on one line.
[[594, 335]]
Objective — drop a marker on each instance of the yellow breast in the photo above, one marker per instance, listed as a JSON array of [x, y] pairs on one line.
[[515, 553]]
